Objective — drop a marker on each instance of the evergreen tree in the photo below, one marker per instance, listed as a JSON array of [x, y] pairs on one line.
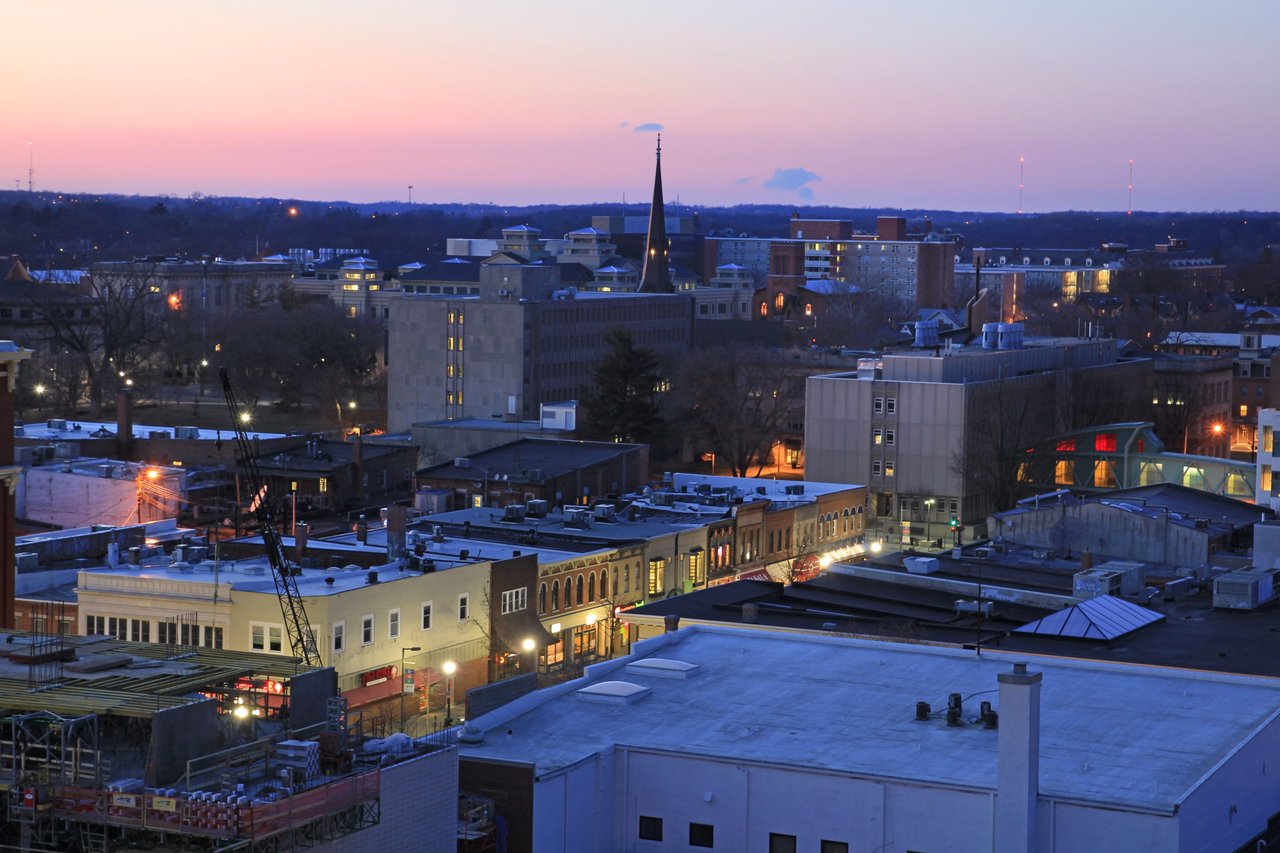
[[622, 404]]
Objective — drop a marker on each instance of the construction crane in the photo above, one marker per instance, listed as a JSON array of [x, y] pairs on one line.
[[301, 640]]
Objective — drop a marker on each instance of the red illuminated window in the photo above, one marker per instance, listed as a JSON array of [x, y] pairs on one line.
[[1105, 442], [1067, 445]]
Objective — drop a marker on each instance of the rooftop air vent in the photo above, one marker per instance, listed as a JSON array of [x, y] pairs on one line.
[[613, 693], [663, 668]]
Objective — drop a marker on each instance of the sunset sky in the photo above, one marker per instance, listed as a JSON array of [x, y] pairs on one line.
[[921, 104]]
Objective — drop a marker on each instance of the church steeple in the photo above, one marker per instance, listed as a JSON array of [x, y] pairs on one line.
[[656, 277]]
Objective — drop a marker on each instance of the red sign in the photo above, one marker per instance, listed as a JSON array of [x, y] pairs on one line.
[[377, 676]]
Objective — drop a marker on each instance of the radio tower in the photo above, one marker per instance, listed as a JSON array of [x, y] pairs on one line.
[[1021, 165], [31, 169], [1131, 188]]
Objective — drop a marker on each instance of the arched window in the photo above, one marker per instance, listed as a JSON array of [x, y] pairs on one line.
[[568, 593], [581, 583], [779, 302], [626, 580], [542, 599], [808, 309], [764, 309], [591, 586]]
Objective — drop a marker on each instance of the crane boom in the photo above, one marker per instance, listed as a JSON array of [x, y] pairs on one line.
[[301, 640]]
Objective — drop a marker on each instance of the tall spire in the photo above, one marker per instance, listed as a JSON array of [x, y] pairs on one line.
[[656, 277]]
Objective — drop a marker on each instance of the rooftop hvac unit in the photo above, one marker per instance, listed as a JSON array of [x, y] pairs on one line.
[[794, 489], [606, 512], [1247, 589], [514, 513], [921, 565], [577, 516], [536, 509], [662, 499], [1133, 576], [57, 424], [983, 553], [1094, 582], [536, 474], [188, 432], [461, 462]]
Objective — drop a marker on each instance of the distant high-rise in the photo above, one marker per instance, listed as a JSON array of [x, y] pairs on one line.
[[656, 277]]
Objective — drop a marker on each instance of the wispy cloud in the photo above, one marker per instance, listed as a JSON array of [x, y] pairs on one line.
[[624, 125], [648, 127], [794, 180], [742, 181]]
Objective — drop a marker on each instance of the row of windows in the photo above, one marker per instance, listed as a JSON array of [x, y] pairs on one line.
[[704, 835], [168, 633], [884, 405], [878, 468], [879, 436], [367, 627]]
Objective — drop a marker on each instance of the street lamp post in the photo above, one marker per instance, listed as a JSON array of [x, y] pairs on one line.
[[528, 646], [449, 668], [402, 684]]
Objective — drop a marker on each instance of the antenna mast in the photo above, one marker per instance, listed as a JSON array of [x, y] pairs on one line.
[[1131, 187], [31, 169], [1021, 165]]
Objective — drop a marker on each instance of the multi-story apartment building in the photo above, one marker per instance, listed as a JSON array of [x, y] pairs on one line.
[[935, 433], [1068, 274], [210, 286], [524, 339]]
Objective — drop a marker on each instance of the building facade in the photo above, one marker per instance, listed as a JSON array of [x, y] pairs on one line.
[[523, 341]]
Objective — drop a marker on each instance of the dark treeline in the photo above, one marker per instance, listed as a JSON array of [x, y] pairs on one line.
[[62, 230]]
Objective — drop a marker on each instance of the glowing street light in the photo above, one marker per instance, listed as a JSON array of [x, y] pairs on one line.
[[449, 668], [245, 417]]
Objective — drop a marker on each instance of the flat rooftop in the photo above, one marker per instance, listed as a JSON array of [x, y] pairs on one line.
[[60, 429], [833, 704]]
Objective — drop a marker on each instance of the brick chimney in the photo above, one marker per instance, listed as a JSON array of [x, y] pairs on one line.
[[397, 522], [1018, 761], [300, 531], [124, 424], [10, 355]]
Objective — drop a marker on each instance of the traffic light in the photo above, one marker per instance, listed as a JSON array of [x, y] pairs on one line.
[[955, 522]]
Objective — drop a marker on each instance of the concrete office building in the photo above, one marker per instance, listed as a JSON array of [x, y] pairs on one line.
[[524, 340], [738, 739], [920, 426]]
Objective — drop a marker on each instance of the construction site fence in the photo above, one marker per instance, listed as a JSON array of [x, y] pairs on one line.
[[214, 816]]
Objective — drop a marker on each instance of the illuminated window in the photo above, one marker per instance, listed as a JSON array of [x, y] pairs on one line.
[[324, 485], [1067, 446], [351, 311], [1104, 474], [1244, 411], [1105, 442], [808, 309], [876, 436], [764, 309], [779, 301], [888, 469], [656, 567], [1064, 473], [350, 287]]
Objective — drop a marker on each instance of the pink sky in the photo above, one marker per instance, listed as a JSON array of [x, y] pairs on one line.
[[926, 104]]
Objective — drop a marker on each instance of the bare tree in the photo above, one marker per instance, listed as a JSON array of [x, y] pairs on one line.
[[1003, 419], [110, 322], [736, 399]]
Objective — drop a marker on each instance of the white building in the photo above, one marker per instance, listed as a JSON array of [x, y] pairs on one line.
[[741, 740], [1268, 424]]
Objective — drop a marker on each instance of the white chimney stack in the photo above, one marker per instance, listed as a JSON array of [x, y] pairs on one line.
[[1018, 761]]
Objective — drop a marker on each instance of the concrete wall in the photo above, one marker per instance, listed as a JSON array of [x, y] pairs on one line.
[[1234, 804], [1106, 531], [52, 496], [419, 809]]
